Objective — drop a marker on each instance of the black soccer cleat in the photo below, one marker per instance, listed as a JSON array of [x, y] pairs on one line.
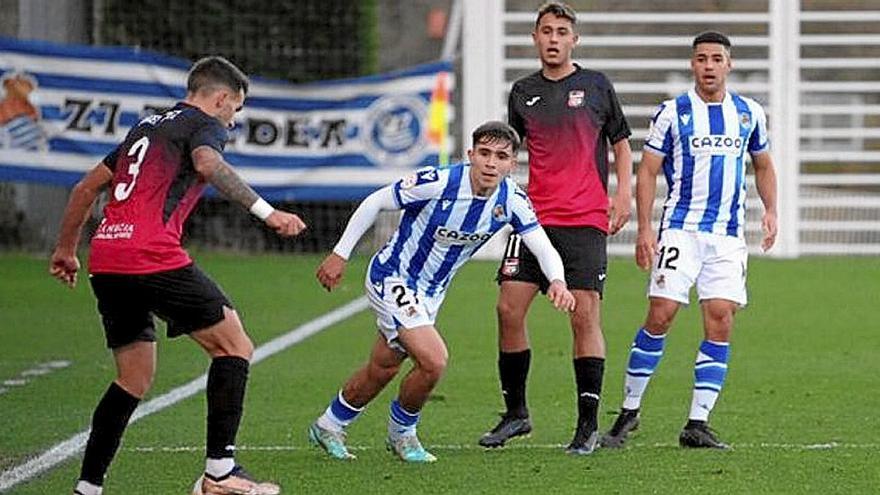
[[626, 422], [509, 427], [585, 441], [698, 435]]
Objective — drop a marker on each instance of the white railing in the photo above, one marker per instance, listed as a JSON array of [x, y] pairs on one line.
[[821, 88]]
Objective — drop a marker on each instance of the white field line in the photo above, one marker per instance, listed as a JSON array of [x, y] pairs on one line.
[[516, 446], [62, 451]]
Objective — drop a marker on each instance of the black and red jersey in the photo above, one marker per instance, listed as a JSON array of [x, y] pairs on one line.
[[567, 125], [154, 189]]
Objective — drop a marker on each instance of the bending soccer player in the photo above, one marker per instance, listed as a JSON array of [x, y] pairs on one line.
[[447, 215], [138, 268], [700, 140]]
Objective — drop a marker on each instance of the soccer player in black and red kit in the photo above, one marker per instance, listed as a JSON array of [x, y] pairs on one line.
[[138, 268], [567, 115]]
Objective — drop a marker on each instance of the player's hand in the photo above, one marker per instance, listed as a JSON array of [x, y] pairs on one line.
[[330, 271], [285, 224], [621, 210], [64, 265], [770, 227], [560, 296], [646, 248]]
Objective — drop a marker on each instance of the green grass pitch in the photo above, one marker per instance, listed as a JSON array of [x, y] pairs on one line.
[[799, 407]]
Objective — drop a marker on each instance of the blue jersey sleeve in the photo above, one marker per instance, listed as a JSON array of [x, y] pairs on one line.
[[659, 138], [422, 185], [523, 218], [758, 141]]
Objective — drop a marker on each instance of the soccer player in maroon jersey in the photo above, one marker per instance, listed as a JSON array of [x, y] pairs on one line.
[[568, 115], [138, 268]]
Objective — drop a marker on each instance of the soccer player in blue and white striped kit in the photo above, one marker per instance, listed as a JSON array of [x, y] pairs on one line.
[[699, 140], [448, 214]]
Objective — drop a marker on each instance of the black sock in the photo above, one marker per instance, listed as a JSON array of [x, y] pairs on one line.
[[108, 423], [513, 368], [227, 379], [588, 373]]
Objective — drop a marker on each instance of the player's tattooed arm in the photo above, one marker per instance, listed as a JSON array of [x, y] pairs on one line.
[[213, 168]]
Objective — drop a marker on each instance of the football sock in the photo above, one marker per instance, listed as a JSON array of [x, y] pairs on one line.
[[339, 414], [86, 488], [218, 468], [108, 423], [644, 356], [400, 421], [227, 380], [709, 373], [513, 369], [588, 373]]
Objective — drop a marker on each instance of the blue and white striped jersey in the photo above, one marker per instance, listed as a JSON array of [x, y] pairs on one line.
[[443, 224], [703, 145]]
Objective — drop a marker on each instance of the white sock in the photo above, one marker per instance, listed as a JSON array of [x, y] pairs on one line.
[[702, 403], [219, 467], [87, 488], [634, 387]]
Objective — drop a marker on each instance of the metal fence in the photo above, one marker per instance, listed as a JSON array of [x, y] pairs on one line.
[[815, 65]]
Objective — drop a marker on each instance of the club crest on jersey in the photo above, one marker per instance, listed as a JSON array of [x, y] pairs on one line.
[[498, 213], [745, 120], [576, 98]]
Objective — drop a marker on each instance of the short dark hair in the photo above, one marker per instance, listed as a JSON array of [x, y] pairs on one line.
[[495, 130], [712, 37], [215, 71], [558, 9]]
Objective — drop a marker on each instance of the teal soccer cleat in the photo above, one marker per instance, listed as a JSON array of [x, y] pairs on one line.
[[409, 449], [332, 442]]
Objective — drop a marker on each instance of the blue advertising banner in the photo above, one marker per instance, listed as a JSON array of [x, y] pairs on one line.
[[63, 107]]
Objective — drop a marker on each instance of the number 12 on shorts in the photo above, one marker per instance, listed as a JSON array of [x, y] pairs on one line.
[[668, 254]]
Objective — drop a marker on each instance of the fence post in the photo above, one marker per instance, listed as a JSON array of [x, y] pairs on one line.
[[482, 65], [785, 120]]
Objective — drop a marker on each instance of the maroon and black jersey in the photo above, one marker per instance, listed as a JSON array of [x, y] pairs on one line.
[[567, 125], [154, 189]]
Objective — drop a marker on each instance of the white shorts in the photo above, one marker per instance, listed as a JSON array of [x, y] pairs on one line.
[[715, 263], [398, 306]]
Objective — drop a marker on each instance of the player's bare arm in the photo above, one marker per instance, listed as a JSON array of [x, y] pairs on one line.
[[621, 203], [765, 180], [646, 188], [214, 169], [64, 264]]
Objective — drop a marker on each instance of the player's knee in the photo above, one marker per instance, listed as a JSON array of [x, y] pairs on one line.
[[434, 366], [510, 316], [658, 323]]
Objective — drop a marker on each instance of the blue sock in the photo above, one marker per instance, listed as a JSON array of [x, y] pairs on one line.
[[644, 356], [710, 370], [339, 414], [400, 421]]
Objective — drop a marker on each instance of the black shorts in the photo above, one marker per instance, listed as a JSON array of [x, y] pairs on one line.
[[186, 299], [584, 256]]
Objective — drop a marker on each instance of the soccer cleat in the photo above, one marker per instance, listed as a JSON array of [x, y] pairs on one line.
[[698, 435], [627, 421], [332, 442], [585, 441], [509, 427], [237, 482], [409, 449]]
